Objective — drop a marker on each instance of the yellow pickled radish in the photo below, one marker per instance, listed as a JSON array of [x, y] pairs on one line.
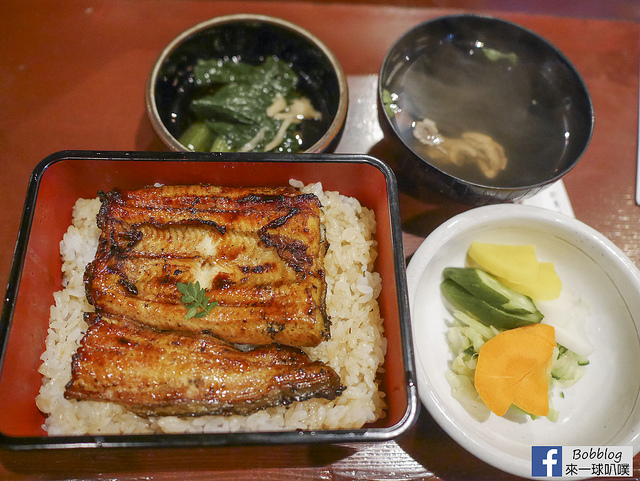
[[545, 287], [516, 263], [517, 267], [514, 367]]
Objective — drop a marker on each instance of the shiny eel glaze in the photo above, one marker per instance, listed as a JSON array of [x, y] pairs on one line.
[[155, 373], [259, 253]]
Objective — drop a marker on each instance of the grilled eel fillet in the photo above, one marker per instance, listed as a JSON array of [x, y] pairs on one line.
[[258, 252], [155, 373]]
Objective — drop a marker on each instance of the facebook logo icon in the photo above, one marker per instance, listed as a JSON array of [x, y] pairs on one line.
[[546, 461]]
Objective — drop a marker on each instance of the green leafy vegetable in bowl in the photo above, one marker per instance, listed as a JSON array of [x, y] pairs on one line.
[[243, 108]]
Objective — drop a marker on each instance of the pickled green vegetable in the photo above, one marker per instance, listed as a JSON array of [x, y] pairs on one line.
[[486, 313], [232, 102], [197, 137], [491, 290]]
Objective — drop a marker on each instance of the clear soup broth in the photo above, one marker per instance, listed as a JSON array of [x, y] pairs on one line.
[[467, 87]]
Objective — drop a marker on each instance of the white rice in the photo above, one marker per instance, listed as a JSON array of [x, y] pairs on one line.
[[356, 349]]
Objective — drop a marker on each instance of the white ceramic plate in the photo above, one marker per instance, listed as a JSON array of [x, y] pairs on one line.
[[603, 408]]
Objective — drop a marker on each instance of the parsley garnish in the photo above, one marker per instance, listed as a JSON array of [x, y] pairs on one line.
[[195, 299]]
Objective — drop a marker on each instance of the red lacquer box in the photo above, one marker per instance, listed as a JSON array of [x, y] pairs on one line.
[[60, 179]]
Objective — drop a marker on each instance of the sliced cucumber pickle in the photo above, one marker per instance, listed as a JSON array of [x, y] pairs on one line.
[[485, 286], [484, 312]]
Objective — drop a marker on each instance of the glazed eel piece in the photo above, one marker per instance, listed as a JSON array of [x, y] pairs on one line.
[[258, 252], [154, 373]]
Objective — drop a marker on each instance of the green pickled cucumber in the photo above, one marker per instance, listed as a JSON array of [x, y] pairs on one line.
[[485, 286], [486, 313], [197, 137]]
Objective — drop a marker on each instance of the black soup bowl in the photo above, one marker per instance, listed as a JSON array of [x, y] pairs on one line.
[[249, 39], [487, 111]]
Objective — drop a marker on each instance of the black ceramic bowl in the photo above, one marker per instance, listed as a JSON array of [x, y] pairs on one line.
[[487, 110], [250, 39]]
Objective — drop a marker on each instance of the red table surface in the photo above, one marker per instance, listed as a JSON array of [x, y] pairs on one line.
[[73, 76]]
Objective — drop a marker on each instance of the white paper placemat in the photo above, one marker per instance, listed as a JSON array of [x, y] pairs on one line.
[[554, 197]]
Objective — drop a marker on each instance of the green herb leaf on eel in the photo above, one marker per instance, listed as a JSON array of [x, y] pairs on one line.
[[195, 300]]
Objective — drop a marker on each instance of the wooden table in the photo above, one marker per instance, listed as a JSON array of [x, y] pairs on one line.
[[73, 75]]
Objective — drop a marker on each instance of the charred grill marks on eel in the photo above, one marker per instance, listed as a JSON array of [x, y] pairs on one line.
[[155, 373], [258, 252]]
